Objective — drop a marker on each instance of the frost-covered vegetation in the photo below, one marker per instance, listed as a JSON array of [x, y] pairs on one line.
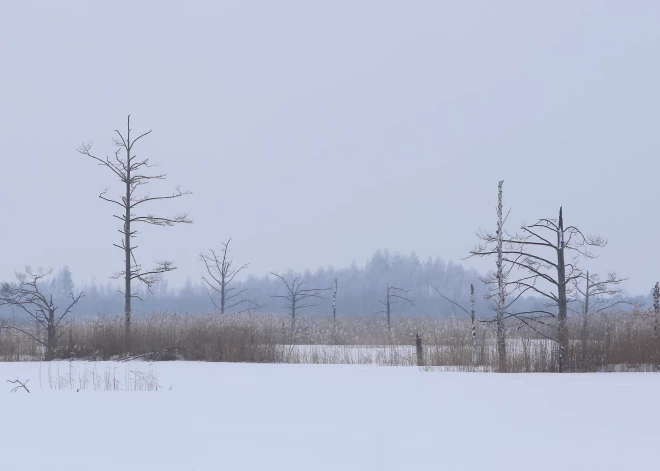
[[601, 342]]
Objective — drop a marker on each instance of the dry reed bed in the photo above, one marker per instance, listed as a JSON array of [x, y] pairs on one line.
[[605, 342]]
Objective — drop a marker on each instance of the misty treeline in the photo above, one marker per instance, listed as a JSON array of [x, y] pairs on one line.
[[359, 290]]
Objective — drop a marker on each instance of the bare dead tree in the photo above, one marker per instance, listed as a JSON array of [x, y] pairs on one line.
[[334, 312], [251, 307], [597, 295], [474, 325], [496, 282], [134, 174], [221, 274], [334, 302], [27, 296], [392, 293], [471, 314], [656, 312], [551, 277], [501, 289], [298, 296]]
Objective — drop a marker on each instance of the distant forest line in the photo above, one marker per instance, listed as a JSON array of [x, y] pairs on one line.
[[360, 290]]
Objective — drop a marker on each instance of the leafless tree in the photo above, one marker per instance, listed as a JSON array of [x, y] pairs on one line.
[[298, 296], [549, 276], [496, 281], [251, 307], [27, 296], [597, 295], [471, 313], [392, 293], [656, 312], [334, 302], [221, 274], [501, 289], [134, 174]]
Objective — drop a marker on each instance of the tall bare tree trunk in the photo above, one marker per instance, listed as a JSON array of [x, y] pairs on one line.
[[334, 313], [656, 311], [474, 326], [223, 295], [50, 333], [586, 296], [656, 321], [396, 293], [501, 334], [51, 327], [388, 311], [334, 302], [72, 345], [37, 337], [584, 334], [561, 284], [128, 294]]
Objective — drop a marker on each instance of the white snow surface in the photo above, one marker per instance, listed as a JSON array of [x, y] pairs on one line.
[[223, 416]]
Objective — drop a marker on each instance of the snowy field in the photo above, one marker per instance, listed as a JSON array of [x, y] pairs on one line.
[[222, 416]]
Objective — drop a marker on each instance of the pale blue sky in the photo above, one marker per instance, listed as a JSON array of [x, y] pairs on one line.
[[314, 133]]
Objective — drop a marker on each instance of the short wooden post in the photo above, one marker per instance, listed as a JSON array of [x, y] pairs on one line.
[[420, 352]]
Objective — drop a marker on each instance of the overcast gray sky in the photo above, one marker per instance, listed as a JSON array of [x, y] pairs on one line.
[[314, 133]]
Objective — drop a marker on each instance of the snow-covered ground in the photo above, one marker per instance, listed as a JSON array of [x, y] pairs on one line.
[[221, 416]]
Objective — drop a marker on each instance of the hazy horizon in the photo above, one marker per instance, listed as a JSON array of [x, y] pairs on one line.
[[314, 134]]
